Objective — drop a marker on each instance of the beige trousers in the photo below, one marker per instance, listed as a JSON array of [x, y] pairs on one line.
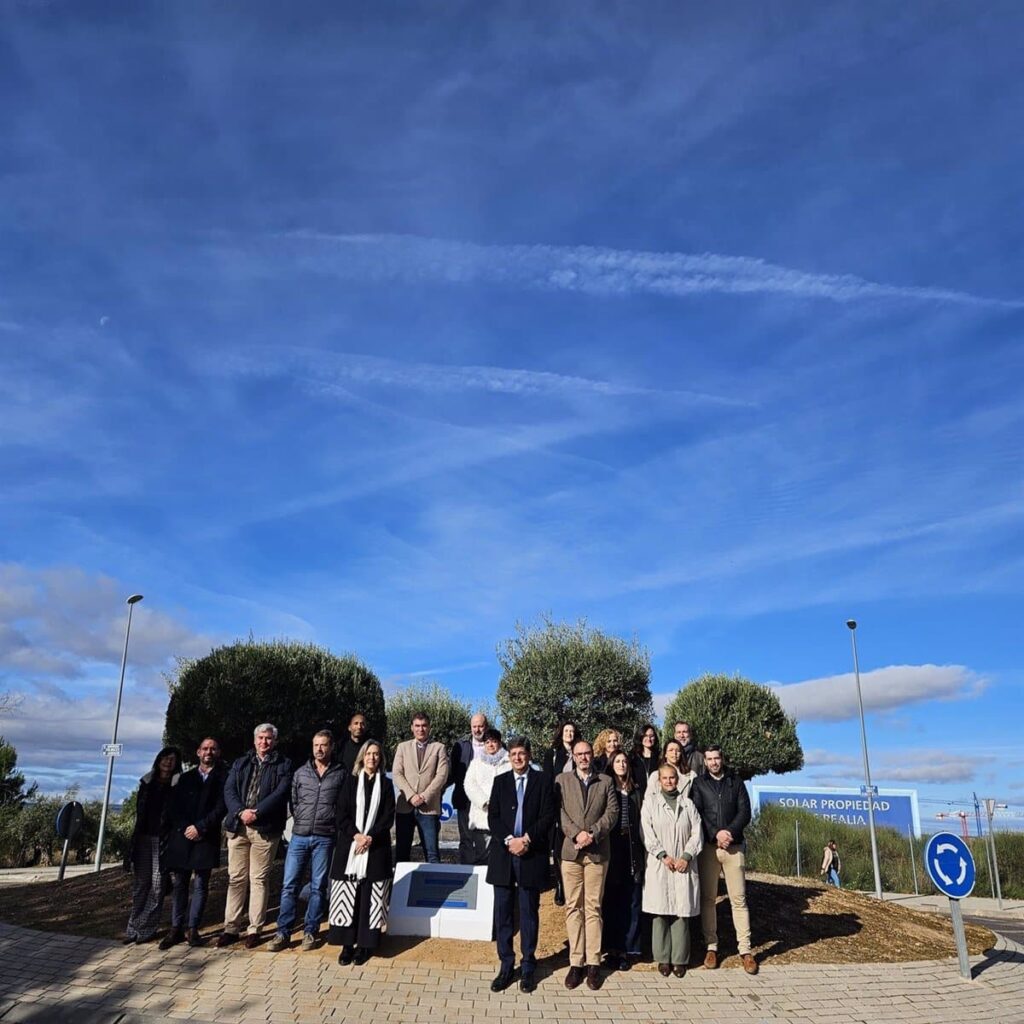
[[584, 886], [713, 863], [250, 857]]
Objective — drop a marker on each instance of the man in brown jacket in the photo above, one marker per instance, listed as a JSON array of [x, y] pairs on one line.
[[420, 772], [588, 812]]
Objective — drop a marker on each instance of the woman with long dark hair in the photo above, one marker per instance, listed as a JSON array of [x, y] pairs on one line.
[[674, 755], [558, 759], [646, 755], [142, 858], [623, 886], [362, 871]]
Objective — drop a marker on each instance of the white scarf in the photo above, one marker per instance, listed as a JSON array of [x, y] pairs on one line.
[[356, 866]]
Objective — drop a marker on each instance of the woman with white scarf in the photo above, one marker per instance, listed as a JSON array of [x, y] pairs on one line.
[[480, 776], [362, 870]]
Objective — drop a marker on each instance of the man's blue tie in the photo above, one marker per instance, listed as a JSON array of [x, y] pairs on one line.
[[518, 828]]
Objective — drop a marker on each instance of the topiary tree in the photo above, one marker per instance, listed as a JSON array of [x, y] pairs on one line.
[[557, 671], [744, 718], [449, 715], [299, 687]]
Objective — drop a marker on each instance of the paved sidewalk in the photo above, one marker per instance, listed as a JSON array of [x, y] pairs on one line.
[[47, 978], [46, 873], [973, 906]]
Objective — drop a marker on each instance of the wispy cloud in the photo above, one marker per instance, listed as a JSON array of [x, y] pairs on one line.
[[834, 698], [315, 366], [595, 270]]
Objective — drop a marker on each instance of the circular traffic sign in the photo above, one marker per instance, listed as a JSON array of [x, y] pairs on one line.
[[950, 865], [447, 812], [69, 820]]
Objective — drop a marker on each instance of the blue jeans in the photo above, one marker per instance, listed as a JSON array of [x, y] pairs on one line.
[[428, 826], [316, 852], [180, 902], [833, 877]]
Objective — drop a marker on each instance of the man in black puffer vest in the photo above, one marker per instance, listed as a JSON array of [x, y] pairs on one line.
[[315, 789]]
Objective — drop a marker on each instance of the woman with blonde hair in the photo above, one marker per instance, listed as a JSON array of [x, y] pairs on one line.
[[362, 870], [607, 744], [672, 836]]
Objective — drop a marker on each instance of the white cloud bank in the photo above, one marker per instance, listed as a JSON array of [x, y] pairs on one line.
[[61, 639], [900, 767], [834, 698]]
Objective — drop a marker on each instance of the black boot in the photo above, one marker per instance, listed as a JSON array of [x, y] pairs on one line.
[[172, 938]]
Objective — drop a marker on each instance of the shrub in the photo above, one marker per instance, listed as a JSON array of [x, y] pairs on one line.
[[559, 671], [298, 687], [745, 718]]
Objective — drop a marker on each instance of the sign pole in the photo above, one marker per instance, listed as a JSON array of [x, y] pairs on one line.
[[798, 847], [131, 602], [913, 860], [950, 865], [63, 860], [960, 937], [990, 806]]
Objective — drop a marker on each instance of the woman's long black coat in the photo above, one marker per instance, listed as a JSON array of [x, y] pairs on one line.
[[379, 864]]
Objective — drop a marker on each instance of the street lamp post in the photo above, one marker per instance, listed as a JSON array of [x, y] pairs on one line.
[[133, 600], [851, 624]]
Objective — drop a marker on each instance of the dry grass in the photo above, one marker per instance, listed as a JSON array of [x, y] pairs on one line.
[[795, 921]]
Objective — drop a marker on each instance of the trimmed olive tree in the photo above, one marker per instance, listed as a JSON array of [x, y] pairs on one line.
[[559, 671], [744, 718], [449, 715], [299, 687]]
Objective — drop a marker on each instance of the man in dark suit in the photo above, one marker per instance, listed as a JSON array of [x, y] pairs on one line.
[[520, 814], [196, 808], [459, 759]]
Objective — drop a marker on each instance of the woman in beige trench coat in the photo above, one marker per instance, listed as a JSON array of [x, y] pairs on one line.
[[672, 837]]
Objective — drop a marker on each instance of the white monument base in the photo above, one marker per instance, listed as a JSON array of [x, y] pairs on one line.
[[443, 901]]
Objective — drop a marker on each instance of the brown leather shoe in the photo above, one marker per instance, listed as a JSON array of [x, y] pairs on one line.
[[679, 970], [711, 960], [252, 940], [593, 978], [574, 977], [749, 963], [664, 970], [225, 939]]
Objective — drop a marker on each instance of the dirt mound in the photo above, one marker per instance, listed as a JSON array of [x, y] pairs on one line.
[[794, 921]]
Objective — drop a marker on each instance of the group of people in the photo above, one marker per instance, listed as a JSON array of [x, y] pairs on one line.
[[627, 833], [342, 809]]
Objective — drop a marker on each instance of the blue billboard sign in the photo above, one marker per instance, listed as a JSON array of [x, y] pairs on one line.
[[894, 808]]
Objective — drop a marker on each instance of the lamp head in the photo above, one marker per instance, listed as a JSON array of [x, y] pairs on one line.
[[134, 599], [851, 623]]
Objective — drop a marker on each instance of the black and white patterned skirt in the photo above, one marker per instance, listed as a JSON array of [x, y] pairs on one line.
[[358, 912]]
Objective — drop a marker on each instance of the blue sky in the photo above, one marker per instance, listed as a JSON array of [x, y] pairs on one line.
[[388, 328]]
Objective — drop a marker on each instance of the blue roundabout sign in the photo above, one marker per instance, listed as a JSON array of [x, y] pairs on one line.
[[950, 865]]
